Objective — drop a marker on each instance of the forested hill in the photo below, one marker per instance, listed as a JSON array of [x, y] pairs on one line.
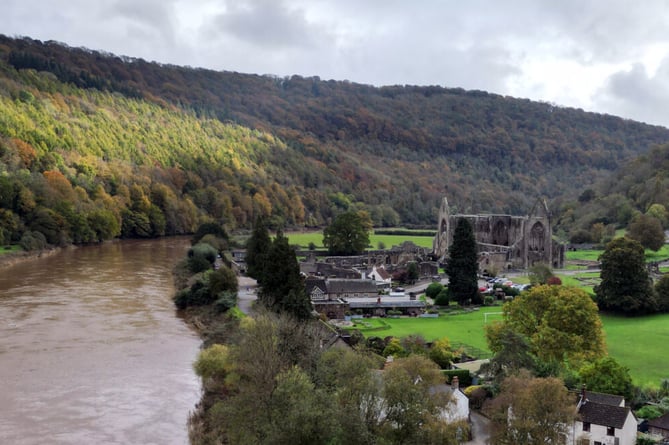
[[232, 146]]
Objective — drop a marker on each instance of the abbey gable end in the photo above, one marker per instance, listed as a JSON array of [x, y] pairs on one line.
[[504, 241]]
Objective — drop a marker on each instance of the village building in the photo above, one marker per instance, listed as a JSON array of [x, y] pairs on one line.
[[381, 277], [603, 419], [458, 410], [659, 427], [336, 298]]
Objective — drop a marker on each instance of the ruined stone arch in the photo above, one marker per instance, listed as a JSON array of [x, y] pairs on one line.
[[537, 241], [500, 234]]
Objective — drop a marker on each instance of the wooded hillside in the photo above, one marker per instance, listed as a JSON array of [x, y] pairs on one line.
[[95, 145]]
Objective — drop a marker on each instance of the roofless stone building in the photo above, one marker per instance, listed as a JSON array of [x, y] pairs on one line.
[[504, 241]]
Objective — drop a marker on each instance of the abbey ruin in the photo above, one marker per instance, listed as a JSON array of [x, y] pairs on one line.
[[504, 241]]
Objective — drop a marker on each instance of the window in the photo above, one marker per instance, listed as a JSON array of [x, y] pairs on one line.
[[610, 431], [598, 443], [586, 426]]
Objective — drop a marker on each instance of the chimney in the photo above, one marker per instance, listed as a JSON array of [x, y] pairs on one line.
[[455, 382]]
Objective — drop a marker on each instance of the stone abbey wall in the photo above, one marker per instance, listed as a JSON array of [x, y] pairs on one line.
[[504, 241]]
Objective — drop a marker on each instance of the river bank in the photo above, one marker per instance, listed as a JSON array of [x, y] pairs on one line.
[[11, 258]]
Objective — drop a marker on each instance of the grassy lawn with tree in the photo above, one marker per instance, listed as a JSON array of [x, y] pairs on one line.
[[638, 343]]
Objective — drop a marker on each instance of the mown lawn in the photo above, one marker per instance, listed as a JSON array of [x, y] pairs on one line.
[[464, 328], [641, 344], [303, 239]]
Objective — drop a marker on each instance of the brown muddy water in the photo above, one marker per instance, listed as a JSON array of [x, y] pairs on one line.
[[91, 349]]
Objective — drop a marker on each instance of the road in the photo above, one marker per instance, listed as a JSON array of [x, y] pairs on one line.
[[247, 294], [480, 429]]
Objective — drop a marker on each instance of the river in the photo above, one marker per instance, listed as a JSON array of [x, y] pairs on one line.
[[91, 349]]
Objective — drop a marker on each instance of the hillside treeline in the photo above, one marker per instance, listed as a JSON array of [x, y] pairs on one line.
[[638, 188], [159, 148]]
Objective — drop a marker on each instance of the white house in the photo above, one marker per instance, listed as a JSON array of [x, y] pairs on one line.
[[603, 419], [458, 410], [381, 277]]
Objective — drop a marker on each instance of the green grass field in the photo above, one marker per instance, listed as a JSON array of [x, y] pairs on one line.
[[303, 239], [9, 249], [464, 328], [637, 343], [641, 344], [593, 255]]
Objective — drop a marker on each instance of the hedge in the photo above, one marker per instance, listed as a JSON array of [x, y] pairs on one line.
[[464, 376]]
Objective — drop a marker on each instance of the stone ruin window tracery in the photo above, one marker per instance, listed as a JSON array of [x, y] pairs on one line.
[[537, 237]]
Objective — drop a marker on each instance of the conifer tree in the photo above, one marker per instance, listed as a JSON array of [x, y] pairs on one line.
[[462, 267], [282, 288], [257, 249]]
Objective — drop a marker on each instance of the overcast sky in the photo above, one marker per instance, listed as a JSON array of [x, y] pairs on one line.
[[608, 56]]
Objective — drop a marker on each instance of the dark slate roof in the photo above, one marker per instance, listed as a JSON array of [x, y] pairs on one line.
[[340, 286], [661, 422], [312, 282], [602, 414], [386, 304], [605, 399]]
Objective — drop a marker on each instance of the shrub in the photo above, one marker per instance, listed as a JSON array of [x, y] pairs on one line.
[[375, 344], [488, 300], [433, 290], [477, 395], [554, 281], [203, 250], [394, 348], [443, 298], [226, 300], [33, 241], [649, 412], [212, 362]]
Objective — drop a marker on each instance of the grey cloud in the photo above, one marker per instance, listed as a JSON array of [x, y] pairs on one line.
[[146, 19], [636, 94], [266, 24]]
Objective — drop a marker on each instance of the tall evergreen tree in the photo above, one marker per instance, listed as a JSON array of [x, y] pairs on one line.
[[625, 287], [257, 249], [282, 288], [462, 267]]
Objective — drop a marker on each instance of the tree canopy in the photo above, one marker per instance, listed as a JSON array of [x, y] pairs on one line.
[[559, 323], [608, 376], [648, 231], [348, 234], [625, 287], [532, 411]]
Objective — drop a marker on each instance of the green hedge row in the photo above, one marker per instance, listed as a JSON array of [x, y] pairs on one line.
[[464, 376], [404, 232]]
